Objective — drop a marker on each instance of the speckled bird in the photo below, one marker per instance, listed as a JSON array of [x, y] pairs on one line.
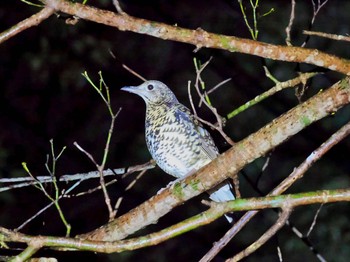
[[175, 138]]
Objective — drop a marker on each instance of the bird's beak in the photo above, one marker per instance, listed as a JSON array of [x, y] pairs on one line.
[[131, 89], [135, 89]]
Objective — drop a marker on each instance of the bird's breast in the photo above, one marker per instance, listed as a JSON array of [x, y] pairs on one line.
[[173, 144]]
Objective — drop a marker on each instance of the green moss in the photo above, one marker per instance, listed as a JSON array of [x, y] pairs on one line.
[[344, 83], [194, 185], [178, 190], [306, 120], [226, 43]]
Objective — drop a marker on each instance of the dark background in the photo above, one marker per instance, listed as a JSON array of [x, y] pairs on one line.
[[43, 96]]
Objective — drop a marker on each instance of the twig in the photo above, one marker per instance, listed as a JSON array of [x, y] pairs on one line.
[[134, 73], [326, 35], [265, 237], [64, 193], [25, 254], [102, 182], [19, 182], [218, 85], [120, 199], [316, 8], [302, 78], [290, 24], [118, 7], [205, 99], [34, 20], [100, 167], [314, 221], [282, 187], [54, 199]]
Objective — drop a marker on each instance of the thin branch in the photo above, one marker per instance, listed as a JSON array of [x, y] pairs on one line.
[[18, 182], [34, 20], [63, 194], [282, 187], [316, 8], [290, 24], [326, 35], [314, 221], [302, 78], [120, 199], [206, 100], [25, 254], [134, 73], [118, 7], [265, 237]]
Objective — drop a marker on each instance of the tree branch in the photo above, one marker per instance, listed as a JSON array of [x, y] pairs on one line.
[[34, 20], [201, 38], [214, 212], [282, 187], [265, 237], [230, 162]]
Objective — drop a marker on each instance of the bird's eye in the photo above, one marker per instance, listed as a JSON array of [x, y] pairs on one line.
[[150, 87]]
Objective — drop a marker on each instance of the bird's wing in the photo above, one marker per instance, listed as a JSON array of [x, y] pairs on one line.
[[207, 143]]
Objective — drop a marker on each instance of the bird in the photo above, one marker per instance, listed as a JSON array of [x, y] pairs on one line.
[[176, 140]]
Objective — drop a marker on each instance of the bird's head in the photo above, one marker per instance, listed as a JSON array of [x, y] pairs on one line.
[[153, 92]]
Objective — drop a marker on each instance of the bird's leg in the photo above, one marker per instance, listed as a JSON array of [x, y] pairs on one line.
[[235, 181], [171, 183]]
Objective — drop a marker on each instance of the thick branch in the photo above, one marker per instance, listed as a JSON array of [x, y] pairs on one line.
[[230, 162], [201, 38]]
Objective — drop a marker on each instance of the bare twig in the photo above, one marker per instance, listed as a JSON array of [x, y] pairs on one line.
[[118, 7], [290, 24], [326, 35], [120, 199], [134, 73], [217, 86], [265, 237], [306, 241], [205, 99], [314, 221], [18, 182], [102, 181], [316, 8]]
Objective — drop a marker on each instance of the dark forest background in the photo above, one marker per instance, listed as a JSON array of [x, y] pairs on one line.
[[43, 95]]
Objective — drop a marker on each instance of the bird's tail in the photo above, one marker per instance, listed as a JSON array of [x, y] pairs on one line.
[[222, 193]]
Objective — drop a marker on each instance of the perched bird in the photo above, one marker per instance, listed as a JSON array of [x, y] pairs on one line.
[[175, 138]]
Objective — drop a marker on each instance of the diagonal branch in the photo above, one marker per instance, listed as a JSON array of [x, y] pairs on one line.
[[230, 162], [265, 237], [282, 187], [34, 20]]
